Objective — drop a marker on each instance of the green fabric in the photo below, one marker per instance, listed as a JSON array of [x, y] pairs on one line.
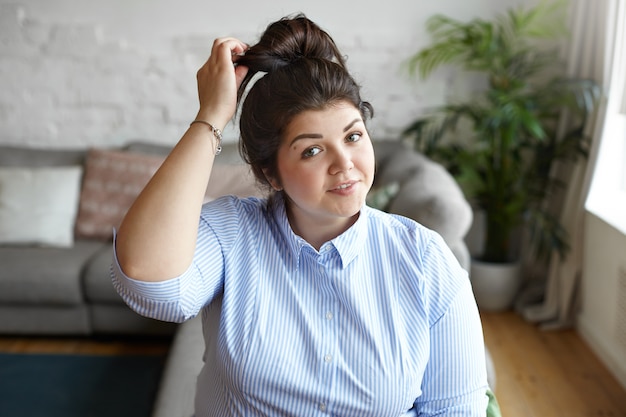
[[380, 197], [493, 408]]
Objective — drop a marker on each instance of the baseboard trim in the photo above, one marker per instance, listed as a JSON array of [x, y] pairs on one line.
[[601, 348]]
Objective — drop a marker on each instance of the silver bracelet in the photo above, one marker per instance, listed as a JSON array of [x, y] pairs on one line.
[[216, 132]]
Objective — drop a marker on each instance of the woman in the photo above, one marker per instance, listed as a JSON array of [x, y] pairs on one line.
[[312, 303]]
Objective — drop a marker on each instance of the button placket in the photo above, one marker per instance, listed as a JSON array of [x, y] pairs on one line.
[[327, 309]]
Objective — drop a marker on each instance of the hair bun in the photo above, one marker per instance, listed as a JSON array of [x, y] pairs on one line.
[[287, 40]]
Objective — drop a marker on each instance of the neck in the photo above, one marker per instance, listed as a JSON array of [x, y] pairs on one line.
[[317, 232]]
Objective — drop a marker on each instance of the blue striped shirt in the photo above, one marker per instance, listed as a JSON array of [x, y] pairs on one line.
[[381, 321]]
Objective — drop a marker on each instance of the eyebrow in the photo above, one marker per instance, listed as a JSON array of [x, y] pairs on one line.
[[319, 135]]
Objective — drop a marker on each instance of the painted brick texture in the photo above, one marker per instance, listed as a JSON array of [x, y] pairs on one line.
[[67, 82]]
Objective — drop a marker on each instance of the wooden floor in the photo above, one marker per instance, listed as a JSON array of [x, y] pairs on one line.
[[539, 373], [548, 373], [85, 345]]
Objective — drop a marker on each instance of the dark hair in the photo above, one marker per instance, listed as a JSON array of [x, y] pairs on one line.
[[304, 70]]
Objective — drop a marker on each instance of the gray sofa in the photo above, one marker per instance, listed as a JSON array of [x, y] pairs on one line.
[[67, 290], [51, 290]]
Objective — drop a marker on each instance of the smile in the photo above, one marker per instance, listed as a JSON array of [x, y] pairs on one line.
[[345, 185]]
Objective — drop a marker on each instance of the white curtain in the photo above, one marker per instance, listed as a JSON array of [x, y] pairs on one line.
[[593, 28], [623, 106]]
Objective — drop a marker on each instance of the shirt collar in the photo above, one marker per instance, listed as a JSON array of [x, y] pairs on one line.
[[348, 245], [352, 242]]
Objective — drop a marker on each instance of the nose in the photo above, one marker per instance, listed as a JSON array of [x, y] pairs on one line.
[[341, 161]]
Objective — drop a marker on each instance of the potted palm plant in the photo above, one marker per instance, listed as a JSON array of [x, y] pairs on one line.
[[503, 141]]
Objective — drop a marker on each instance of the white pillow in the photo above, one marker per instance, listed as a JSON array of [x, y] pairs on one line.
[[39, 205]]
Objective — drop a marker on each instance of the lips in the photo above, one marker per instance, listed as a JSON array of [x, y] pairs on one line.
[[344, 186]]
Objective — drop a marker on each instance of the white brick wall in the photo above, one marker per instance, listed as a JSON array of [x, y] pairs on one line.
[[76, 73]]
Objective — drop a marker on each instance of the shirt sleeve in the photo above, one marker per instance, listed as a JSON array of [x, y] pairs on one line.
[[181, 298], [455, 379], [157, 300]]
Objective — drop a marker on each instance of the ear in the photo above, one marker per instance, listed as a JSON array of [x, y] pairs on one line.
[[273, 181]]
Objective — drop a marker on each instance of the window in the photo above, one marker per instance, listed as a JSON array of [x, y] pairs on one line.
[[607, 195]]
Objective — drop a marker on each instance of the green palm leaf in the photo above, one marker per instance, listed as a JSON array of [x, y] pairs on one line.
[[502, 142]]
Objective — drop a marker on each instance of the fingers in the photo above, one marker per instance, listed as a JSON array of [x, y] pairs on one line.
[[219, 79], [229, 49], [225, 51]]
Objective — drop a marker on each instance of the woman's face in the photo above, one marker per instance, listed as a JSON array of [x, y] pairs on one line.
[[326, 167]]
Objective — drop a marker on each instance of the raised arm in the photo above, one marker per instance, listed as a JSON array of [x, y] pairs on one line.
[[156, 239]]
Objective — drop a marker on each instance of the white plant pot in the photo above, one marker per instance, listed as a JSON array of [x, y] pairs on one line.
[[495, 285]]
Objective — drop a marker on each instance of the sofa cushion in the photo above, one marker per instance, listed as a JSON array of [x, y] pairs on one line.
[[230, 175], [229, 156], [39, 205], [112, 181], [15, 156], [428, 194], [44, 319], [97, 278], [33, 275], [232, 179], [120, 319]]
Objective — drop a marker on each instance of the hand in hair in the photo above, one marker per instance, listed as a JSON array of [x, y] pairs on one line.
[[219, 80], [157, 253]]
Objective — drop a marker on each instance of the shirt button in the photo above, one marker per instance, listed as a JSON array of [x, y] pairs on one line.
[[329, 315], [328, 358], [322, 406], [321, 269]]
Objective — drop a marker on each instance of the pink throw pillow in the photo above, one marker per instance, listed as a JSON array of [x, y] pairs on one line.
[[112, 181]]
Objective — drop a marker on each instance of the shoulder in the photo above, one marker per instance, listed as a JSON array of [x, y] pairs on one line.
[[407, 242], [399, 228], [233, 206], [233, 216], [427, 266]]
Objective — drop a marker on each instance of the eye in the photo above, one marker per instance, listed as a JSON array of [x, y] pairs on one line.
[[312, 151], [353, 137]]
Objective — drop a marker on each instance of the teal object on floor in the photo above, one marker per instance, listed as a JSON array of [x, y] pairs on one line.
[[59, 385]]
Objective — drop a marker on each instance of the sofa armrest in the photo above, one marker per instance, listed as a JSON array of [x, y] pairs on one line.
[[427, 194], [177, 390]]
